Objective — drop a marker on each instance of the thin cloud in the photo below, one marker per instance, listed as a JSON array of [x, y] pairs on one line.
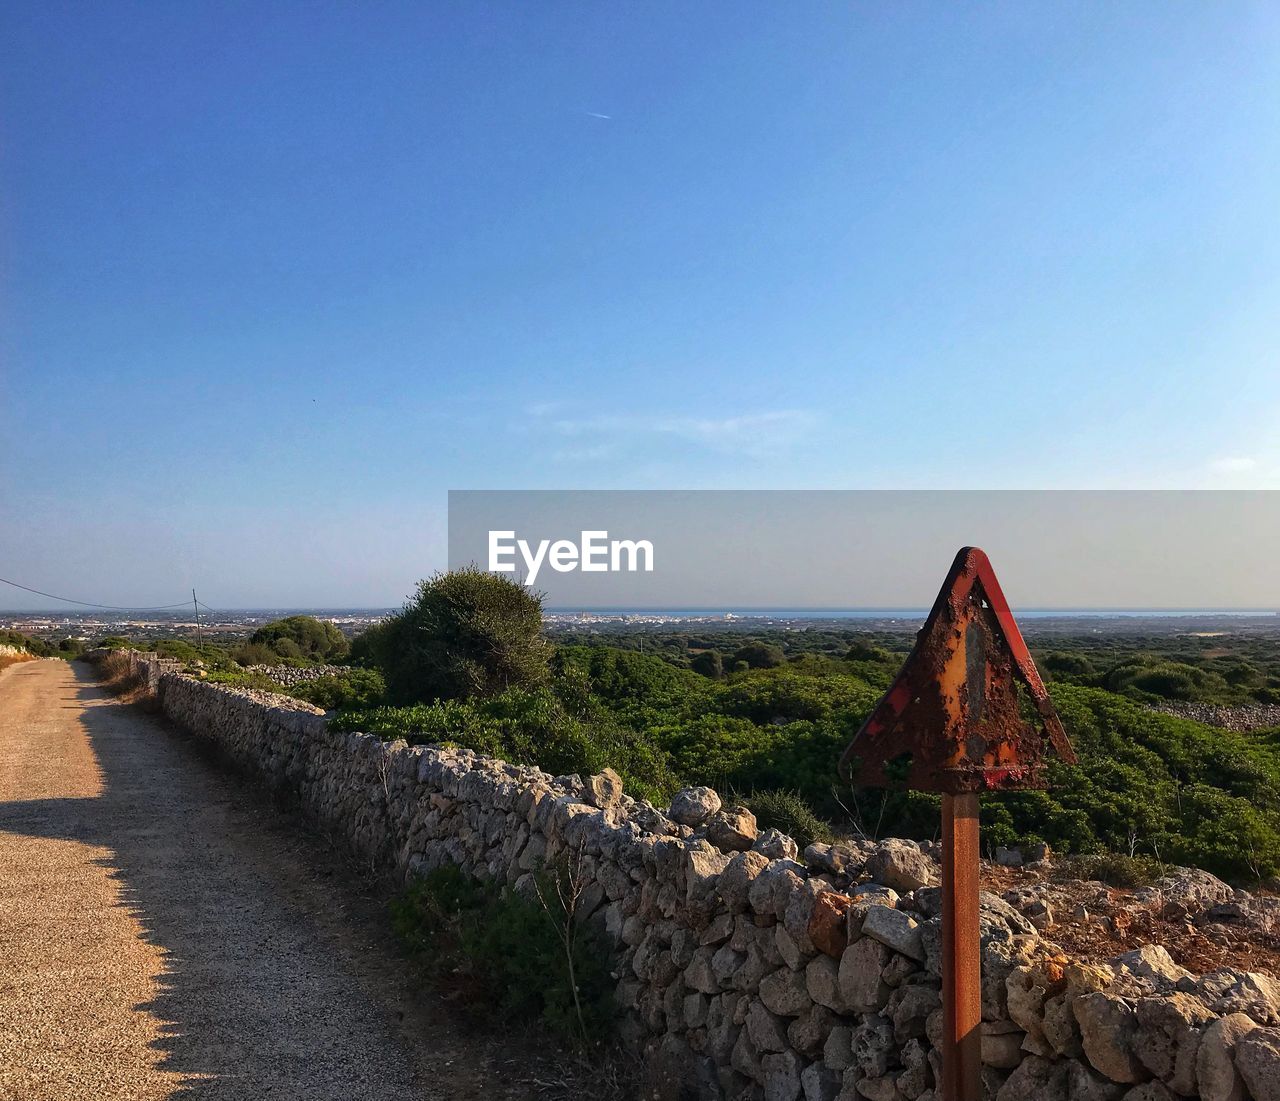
[[1233, 464], [597, 115], [749, 434]]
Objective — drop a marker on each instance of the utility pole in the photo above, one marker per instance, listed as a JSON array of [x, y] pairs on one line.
[[196, 605]]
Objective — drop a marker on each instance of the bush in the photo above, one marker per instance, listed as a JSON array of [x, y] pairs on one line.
[[530, 727], [860, 650], [1114, 869], [362, 688], [759, 655], [528, 958], [788, 812], [255, 653], [465, 634], [708, 664], [303, 636]]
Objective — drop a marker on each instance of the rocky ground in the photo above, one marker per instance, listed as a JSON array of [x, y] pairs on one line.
[[1255, 717], [287, 676], [1204, 923]]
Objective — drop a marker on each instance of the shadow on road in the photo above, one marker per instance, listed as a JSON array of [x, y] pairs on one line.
[[273, 984]]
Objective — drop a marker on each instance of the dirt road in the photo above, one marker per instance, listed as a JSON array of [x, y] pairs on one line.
[[165, 934]]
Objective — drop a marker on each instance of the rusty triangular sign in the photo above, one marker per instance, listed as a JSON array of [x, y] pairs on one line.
[[953, 721]]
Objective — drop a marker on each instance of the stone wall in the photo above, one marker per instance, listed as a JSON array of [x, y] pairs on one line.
[[746, 969], [1258, 716]]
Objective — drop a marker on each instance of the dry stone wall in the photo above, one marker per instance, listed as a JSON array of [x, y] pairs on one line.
[[745, 968]]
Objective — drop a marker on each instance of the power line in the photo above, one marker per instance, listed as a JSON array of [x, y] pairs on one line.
[[91, 604]]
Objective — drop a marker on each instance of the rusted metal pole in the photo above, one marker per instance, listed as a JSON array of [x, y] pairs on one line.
[[961, 951]]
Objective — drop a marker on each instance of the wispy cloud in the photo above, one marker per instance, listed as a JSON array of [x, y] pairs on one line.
[[597, 115], [748, 434], [1233, 464]]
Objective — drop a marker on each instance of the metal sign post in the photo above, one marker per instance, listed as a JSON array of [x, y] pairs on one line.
[[952, 722]]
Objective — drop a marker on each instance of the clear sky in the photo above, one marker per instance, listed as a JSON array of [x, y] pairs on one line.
[[274, 277]]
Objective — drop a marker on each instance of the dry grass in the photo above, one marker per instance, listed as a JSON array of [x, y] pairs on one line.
[[118, 678], [14, 659]]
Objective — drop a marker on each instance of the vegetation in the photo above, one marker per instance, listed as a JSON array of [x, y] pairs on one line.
[[1149, 786], [67, 648], [356, 688], [298, 637], [527, 956], [464, 634], [763, 716]]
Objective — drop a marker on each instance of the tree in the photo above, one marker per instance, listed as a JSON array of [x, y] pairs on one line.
[[709, 664], [303, 636], [861, 650], [465, 633], [759, 655]]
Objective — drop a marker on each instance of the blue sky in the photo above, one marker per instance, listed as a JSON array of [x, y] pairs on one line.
[[275, 277]]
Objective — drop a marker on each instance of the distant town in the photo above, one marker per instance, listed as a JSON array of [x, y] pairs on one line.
[[236, 626]]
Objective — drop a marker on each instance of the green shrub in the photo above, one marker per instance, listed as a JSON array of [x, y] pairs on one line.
[[860, 650], [527, 726], [465, 633], [788, 812], [759, 655], [708, 664], [240, 679], [255, 653], [527, 958], [112, 642], [1114, 869], [359, 688], [302, 636]]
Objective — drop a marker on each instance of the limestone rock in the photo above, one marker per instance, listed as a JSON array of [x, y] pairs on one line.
[[819, 1083], [861, 984], [1107, 1029], [693, 806], [781, 1076], [878, 1089], [896, 929], [1149, 1091], [788, 949], [837, 1052], [734, 883], [1008, 858], [605, 790], [808, 1032], [910, 1010], [1001, 1049], [871, 1044], [732, 830], [914, 1079], [768, 1031], [902, 866], [1168, 1037], [784, 992], [822, 980], [1216, 1076], [844, 859], [1257, 1058], [703, 868], [776, 845], [1151, 962]]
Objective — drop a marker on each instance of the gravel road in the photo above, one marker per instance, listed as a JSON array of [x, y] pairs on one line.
[[164, 933]]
